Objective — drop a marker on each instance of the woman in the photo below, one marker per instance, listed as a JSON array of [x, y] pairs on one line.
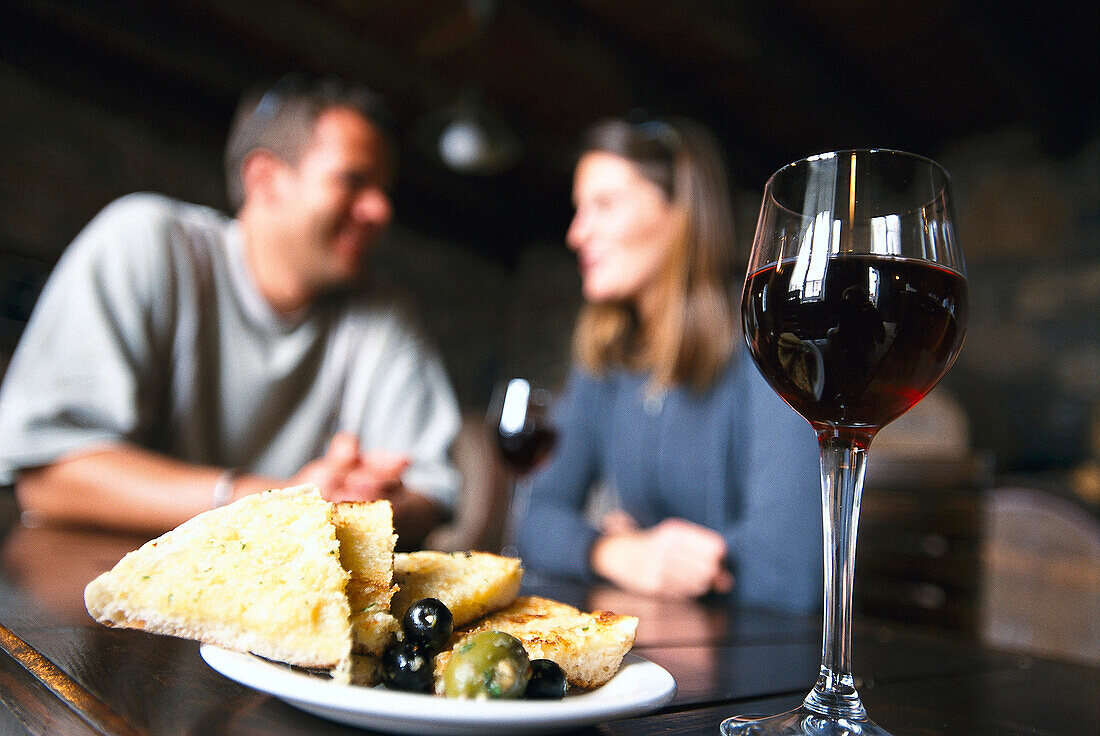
[[715, 477]]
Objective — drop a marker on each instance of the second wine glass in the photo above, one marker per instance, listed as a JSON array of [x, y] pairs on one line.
[[520, 427]]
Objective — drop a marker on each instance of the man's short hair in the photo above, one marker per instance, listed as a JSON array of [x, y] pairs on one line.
[[280, 119]]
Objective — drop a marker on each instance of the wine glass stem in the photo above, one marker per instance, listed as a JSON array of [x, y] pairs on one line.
[[843, 460], [516, 507]]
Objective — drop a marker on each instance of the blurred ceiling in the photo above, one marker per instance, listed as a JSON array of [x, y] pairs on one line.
[[775, 79]]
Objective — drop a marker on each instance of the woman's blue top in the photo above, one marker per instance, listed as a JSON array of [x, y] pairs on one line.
[[736, 459]]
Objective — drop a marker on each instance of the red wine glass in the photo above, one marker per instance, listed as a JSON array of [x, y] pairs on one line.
[[854, 307], [520, 427]]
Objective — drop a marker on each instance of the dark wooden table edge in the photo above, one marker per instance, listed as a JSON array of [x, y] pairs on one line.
[[90, 709]]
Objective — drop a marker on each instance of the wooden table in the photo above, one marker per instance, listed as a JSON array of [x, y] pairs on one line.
[[61, 673]]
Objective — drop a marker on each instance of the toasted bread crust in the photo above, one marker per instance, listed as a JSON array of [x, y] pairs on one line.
[[367, 541]]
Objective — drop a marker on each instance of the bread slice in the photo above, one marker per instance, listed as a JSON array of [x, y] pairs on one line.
[[260, 575], [471, 584], [589, 647], [365, 531]]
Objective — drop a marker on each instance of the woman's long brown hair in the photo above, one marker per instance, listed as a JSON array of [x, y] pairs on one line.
[[690, 339]]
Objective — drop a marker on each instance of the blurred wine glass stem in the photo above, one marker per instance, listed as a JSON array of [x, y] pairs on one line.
[[516, 508]]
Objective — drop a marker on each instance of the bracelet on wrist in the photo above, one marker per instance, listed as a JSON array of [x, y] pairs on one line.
[[224, 486]]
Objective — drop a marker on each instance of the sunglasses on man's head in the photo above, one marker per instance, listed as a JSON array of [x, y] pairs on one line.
[[325, 90]]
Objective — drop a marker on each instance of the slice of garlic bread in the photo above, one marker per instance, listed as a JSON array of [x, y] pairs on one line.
[[365, 531], [260, 575], [589, 647], [470, 584]]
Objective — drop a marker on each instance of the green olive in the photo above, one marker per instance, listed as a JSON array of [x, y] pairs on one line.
[[488, 665]]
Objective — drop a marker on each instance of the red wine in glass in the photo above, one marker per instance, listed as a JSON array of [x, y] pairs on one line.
[[874, 336], [527, 448]]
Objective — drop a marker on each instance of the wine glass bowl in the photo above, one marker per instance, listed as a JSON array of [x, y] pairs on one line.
[[854, 307], [519, 419], [855, 302]]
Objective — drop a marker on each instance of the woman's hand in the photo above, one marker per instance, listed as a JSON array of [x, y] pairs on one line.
[[674, 559]]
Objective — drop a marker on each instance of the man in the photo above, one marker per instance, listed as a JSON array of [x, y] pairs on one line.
[[179, 359]]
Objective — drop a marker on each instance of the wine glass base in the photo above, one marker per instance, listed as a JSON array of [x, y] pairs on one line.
[[799, 722]]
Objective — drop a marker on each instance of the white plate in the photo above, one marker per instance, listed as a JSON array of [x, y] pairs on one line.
[[639, 687]]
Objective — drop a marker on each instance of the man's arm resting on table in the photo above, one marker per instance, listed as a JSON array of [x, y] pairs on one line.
[[124, 486]]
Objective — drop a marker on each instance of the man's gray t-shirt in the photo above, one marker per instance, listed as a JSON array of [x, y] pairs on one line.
[[150, 331]]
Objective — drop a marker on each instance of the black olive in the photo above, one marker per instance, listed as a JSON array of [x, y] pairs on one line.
[[428, 623], [547, 681], [406, 666]]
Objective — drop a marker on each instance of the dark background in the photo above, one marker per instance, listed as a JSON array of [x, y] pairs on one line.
[[102, 99]]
